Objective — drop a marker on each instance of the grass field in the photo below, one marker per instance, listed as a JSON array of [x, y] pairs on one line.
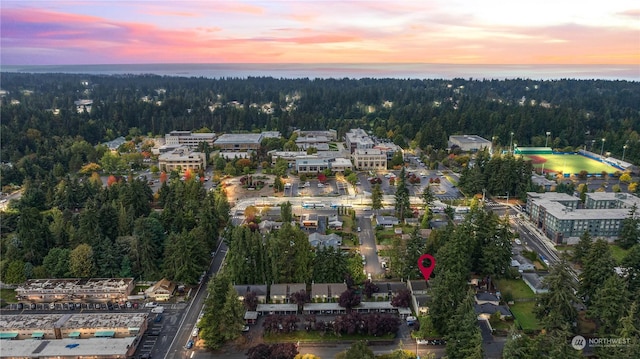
[[569, 164], [517, 287], [523, 312]]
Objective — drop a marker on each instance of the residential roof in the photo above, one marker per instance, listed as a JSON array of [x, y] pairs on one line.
[[487, 297], [242, 289], [286, 289], [327, 289], [162, 286], [325, 240], [489, 308], [277, 308]]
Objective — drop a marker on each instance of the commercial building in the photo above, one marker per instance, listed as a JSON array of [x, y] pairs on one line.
[[93, 289], [182, 159], [71, 335], [332, 135], [358, 138], [470, 143], [188, 139], [320, 143], [388, 148], [369, 160], [561, 218], [240, 142], [314, 165]]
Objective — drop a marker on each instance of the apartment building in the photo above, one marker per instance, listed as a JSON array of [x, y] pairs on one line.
[[563, 220]]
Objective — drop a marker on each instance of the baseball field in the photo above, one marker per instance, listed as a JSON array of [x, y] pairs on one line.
[[568, 163]]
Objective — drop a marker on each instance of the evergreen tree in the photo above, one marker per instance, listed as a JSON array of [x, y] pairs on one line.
[[631, 265], [286, 213], [609, 304], [463, 335], [376, 197], [556, 307], [402, 206], [519, 346], [630, 231], [581, 250], [598, 267]]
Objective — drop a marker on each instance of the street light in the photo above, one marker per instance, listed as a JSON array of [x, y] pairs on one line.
[[602, 147], [624, 150], [546, 143]]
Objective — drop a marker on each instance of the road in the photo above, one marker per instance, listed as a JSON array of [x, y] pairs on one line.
[[176, 349]]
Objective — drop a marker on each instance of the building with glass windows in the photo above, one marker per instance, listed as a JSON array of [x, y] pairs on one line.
[[563, 218]]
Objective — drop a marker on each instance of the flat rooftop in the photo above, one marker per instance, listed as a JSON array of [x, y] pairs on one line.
[[28, 322], [235, 138], [469, 139], [119, 320], [67, 348]]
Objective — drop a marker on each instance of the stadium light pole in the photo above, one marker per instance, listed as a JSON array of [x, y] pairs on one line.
[[602, 147], [546, 143], [624, 150]]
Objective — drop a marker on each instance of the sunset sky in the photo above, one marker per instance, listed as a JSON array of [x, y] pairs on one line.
[[50, 32]]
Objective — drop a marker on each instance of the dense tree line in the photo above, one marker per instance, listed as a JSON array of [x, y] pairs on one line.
[[75, 228], [497, 175], [423, 112], [285, 256]]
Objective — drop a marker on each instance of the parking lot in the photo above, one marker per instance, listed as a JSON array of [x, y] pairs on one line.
[[69, 306]]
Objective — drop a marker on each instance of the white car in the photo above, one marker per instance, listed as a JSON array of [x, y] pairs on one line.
[[518, 242]]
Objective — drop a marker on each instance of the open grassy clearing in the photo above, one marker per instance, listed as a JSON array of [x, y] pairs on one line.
[[523, 312], [518, 288]]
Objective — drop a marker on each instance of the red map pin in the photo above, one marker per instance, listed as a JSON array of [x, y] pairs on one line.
[[426, 271]]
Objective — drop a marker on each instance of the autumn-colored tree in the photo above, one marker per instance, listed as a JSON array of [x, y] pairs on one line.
[[89, 168], [111, 180], [163, 177], [188, 175]]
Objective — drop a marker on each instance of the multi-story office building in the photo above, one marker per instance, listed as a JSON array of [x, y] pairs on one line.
[[357, 138], [188, 139], [241, 142], [563, 220], [369, 159], [182, 159]]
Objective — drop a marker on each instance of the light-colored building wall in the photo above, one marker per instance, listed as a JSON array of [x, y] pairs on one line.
[[189, 139], [182, 159], [369, 160]]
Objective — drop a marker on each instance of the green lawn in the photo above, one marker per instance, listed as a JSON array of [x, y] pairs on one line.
[[618, 253], [523, 312], [517, 287], [8, 295], [570, 163]]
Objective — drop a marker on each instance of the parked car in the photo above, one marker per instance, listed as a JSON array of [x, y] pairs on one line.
[[189, 344], [158, 318]]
